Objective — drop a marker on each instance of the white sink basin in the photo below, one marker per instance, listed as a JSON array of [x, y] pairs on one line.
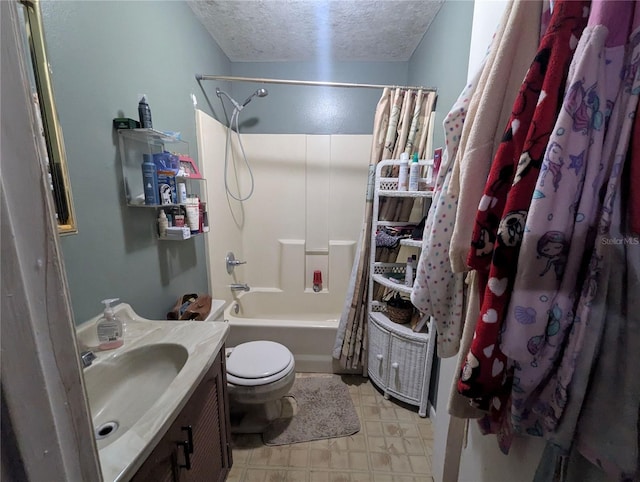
[[143, 385], [123, 387]]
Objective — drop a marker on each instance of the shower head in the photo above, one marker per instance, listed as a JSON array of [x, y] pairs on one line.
[[260, 93]]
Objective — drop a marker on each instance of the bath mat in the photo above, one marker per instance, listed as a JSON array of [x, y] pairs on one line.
[[324, 410]]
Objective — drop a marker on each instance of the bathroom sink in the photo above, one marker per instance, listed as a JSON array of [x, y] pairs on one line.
[[122, 387], [136, 391]]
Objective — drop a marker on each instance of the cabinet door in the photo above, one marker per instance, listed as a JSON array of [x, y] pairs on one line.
[[378, 353], [205, 415], [162, 464], [406, 367]]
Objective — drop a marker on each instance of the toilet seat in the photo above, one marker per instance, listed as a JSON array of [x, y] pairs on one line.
[[258, 363]]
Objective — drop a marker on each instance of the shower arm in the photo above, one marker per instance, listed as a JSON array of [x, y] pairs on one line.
[[237, 106]]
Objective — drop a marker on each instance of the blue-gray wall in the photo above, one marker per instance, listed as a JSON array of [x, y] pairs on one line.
[[310, 109], [103, 54], [442, 57]]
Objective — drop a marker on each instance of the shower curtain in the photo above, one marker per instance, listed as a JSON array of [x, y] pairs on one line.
[[401, 124]]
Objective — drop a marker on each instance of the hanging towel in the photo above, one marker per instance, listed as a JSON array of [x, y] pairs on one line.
[[634, 168], [503, 208], [558, 390], [563, 213], [436, 291], [516, 44], [460, 406], [575, 416], [608, 428]]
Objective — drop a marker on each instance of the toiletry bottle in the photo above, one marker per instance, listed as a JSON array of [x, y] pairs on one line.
[[150, 180], [193, 216], [437, 160], [414, 173], [414, 265], [163, 224], [430, 179], [182, 193], [110, 330], [144, 112], [317, 281], [201, 209], [408, 273], [403, 174], [205, 218]]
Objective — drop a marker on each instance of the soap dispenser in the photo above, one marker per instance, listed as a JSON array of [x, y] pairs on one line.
[[110, 330]]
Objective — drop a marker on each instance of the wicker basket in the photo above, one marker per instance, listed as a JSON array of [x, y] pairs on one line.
[[399, 315]]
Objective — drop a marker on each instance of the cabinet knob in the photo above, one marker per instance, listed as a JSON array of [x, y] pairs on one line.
[[395, 365], [379, 356]]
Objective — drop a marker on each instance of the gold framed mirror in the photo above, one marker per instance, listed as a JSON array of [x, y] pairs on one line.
[[53, 150]]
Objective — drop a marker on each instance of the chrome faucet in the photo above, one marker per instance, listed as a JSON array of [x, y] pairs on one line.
[[86, 358], [239, 287]]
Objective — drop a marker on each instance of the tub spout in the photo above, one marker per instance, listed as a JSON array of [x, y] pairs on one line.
[[239, 287]]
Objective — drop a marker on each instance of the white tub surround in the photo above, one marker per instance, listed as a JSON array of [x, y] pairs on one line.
[[197, 341], [304, 215]]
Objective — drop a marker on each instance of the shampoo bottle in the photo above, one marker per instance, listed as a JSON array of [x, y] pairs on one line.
[[414, 173], [403, 174], [110, 330], [408, 274], [144, 112], [150, 180]]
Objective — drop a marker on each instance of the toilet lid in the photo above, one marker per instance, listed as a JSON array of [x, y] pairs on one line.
[[258, 359]]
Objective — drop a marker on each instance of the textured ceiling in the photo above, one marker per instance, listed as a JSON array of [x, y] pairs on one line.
[[312, 30]]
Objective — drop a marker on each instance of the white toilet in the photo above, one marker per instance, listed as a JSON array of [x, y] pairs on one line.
[[259, 374]]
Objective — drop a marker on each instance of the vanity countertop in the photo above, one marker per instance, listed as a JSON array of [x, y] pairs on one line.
[[202, 340]]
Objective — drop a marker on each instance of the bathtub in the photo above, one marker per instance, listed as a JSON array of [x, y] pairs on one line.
[[304, 323]]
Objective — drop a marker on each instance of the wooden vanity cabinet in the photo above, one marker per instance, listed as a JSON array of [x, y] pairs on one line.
[[196, 448]]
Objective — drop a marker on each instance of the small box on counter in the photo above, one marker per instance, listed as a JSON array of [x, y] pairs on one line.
[[178, 233], [125, 123]]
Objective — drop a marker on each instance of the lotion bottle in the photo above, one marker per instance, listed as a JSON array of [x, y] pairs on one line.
[[414, 173], [163, 224], [408, 274], [403, 174], [110, 330]]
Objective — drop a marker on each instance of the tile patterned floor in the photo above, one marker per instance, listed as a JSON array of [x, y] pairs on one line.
[[394, 445]]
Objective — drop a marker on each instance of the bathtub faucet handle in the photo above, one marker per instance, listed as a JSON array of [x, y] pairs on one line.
[[231, 262]]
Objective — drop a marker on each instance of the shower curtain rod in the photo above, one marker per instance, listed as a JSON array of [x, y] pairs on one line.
[[309, 82]]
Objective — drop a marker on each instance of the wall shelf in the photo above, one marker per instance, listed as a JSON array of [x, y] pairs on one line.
[[399, 359], [133, 144]]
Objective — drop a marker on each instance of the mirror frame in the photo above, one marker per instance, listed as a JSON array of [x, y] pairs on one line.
[[52, 130]]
